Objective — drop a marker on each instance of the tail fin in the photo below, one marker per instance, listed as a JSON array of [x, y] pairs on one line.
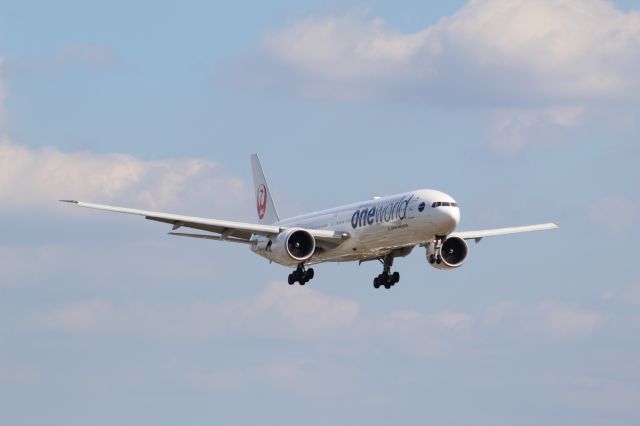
[[267, 213]]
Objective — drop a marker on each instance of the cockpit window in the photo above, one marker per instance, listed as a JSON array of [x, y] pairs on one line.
[[444, 204]]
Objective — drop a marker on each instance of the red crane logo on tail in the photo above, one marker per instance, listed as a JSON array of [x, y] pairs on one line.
[[262, 201]]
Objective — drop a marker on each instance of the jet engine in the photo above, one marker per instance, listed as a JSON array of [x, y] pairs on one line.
[[292, 246], [451, 253]]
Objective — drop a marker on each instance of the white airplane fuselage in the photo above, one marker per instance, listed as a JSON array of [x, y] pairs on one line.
[[374, 226]]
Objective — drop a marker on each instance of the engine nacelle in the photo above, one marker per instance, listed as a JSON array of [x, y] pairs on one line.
[[292, 246], [451, 254]]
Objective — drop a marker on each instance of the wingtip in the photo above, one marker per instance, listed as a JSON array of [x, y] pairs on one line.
[[69, 201]]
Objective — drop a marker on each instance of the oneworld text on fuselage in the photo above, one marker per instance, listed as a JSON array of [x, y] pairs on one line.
[[381, 213]]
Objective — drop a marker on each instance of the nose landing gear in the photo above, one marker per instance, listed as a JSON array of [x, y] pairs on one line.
[[386, 278], [437, 248], [300, 275]]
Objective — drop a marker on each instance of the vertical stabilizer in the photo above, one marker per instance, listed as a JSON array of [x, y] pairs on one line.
[[265, 208]]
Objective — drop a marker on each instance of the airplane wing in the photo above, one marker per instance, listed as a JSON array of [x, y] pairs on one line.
[[226, 230], [478, 235]]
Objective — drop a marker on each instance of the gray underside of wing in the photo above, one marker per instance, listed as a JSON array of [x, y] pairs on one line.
[[211, 237], [478, 235]]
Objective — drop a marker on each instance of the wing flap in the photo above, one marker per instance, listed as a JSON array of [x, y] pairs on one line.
[[211, 237]]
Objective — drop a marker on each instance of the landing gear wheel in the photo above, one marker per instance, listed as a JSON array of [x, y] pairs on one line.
[[376, 282], [300, 275], [386, 278], [432, 259]]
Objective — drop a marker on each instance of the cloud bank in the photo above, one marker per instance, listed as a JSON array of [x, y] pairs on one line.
[[548, 318], [490, 52], [304, 314], [279, 311], [39, 177]]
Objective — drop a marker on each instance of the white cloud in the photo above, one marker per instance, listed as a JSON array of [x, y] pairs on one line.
[[307, 311], [313, 377], [226, 380], [72, 266], [303, 314], [513, 130], [609, 397], [309, 377], [539, 66], [454, 320], [560, 320], [84, 316], [15, 375], [496, 52], [420, 333], [39, 177], [497, 313], [631, 295], [613, 213], [278, 311], [548, 318]]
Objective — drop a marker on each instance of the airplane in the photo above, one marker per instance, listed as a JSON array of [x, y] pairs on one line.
[[382, 229]]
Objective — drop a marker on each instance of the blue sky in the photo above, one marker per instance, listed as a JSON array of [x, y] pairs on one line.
[[525, 112]]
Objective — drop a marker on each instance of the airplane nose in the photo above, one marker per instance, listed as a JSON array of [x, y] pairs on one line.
[[450, 217], [453, 216]]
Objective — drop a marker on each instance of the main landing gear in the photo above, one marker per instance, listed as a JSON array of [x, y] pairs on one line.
[[301, 275], [386, 278]]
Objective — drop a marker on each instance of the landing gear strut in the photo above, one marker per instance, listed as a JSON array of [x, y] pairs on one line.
[[301, 275], [386, 278], [437, 246]]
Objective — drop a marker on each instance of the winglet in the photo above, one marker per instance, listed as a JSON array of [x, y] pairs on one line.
[[69, 201]]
